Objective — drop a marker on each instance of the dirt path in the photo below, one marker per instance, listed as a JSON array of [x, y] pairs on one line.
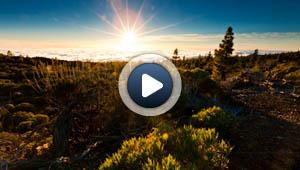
[[269, 136]]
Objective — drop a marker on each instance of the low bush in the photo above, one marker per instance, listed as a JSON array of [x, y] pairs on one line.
[[51, 110], [9, 107], [41, 118], [196, 73], [22, 116], [24, 107], [198, 81], [11, 121], [168, 148], [294, 76], [6, 88], [25, 126], [3, 112], [280, 70], [23, 121], [215, 117]]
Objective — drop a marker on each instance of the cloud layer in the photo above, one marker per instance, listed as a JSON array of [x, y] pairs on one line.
[[188, 45]]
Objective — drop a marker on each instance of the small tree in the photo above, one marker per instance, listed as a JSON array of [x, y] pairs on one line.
[[209, 55], [175, 54], [254, 57], [221, 55], [9, 53], [208, 58], [255, 53]]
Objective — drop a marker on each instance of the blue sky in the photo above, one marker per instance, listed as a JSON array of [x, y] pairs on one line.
[[55, 22]]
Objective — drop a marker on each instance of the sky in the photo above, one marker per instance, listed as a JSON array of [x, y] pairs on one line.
[[149, 25]]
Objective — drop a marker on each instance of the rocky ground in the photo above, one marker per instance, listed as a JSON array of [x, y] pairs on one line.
[[269, 136]]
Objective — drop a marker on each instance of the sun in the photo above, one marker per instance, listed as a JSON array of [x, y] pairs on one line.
[[129, 41], [129, 37], [128, 27]]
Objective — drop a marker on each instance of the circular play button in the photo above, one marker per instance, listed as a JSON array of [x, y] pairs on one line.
[[149, 84]]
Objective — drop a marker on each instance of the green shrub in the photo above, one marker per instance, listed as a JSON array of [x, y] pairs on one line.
[[293, 75], [3, 112], [18, 117], [7, 87], [196, 73], [11, 121], [22, 121], [182, 148], [197, 82], [283, 69], [24, 107], [22, 116], [9, 107], [41, 118], [215, 117], [25, 126]]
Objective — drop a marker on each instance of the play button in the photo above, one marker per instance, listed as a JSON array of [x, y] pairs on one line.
[[150, 85]]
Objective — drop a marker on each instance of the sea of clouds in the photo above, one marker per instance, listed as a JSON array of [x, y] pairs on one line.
[[108, 55], [93, 54]]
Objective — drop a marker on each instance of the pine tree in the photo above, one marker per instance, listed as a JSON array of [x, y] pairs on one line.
[[9, 53], [209, 55], [255, 53], [254, 56], [221, 55], [175, 54], [208, 58], [226, 47]]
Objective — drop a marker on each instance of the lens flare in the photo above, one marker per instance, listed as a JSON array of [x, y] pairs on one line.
[[128, 25]]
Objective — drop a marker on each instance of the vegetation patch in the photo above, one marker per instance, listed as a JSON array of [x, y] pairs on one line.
[[3, 112], [295, 76], [168, 148], [283, 69], [24, 107], [215, 117], [23, 121], [41, 118], [25, 126]]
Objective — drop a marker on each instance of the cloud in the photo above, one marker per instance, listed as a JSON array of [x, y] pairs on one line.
[[270, 35], [207, 37], [243, 41], [183, 37], [188, 44]]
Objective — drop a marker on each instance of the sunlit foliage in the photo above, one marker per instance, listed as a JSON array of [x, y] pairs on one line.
[[215, 117], [168, 148]]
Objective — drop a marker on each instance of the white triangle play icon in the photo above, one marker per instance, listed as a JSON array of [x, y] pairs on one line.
[[150, 85]]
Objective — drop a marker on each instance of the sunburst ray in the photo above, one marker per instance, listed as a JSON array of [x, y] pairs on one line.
[[138, 15], [145, 23], [103, 18], [157, 29], [129, 24], [102, 31], [127, 16], [117, 14]]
